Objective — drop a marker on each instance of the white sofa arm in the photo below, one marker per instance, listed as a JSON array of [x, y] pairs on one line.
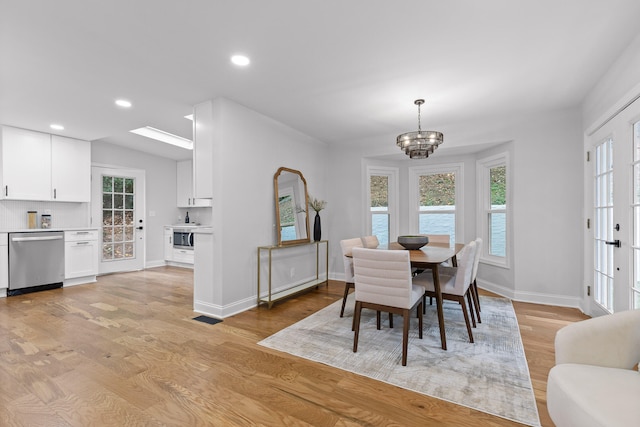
[[608, 341]]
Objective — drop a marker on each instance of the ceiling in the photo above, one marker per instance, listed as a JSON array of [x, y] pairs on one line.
[[339, 71]]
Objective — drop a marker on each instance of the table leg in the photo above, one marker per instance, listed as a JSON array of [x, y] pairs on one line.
[[436, 285]]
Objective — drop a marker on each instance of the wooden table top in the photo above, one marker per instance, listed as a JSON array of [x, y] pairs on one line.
[[430, 254]]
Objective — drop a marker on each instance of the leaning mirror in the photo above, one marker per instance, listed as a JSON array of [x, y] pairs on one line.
[[292, 222]]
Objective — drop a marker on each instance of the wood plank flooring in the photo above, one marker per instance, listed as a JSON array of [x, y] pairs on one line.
[[126, 352]]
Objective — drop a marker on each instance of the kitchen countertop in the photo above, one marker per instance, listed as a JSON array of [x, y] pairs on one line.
[[189, 225], [35, 230]]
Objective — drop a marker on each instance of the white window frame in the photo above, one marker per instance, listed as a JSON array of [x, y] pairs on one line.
[[414, 195], [394, 187], [483, 170]]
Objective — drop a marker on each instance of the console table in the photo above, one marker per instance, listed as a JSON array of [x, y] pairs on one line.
[[272, 296]]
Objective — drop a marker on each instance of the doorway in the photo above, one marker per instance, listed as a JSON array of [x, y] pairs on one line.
[[613, 237], [118, 212]]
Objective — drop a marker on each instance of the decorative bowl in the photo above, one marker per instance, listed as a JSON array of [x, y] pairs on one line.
[[413, 242]]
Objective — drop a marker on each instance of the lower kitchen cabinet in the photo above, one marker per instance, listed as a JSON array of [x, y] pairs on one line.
[[4, 261], [168, 244], [184, 256], [81, 253]]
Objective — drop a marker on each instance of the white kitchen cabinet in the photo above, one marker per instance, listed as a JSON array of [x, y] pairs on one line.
[[40, 166], [184, 256], [184, 185], [203, 135], [26, 164], [70, 169], [4, 261], [81, 253], [168, 244]]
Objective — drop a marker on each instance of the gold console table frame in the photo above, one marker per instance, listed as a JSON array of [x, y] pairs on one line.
[[272, 297]]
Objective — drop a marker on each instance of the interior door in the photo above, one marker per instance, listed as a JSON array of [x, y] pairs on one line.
[[117, 200], [615, 235]]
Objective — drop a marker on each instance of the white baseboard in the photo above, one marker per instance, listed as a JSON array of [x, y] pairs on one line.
[[220, 311], [78, 281], [532, 297]]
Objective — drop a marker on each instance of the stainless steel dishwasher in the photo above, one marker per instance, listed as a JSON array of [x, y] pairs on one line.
[[36, 261]]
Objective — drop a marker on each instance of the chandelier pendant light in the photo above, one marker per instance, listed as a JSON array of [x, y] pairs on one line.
[[418, 145]]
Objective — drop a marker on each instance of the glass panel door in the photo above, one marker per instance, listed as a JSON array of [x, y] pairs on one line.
[[603, 222], [635, 206], [117, 210]]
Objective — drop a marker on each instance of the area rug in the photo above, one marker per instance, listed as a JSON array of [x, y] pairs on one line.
[[491, 375]]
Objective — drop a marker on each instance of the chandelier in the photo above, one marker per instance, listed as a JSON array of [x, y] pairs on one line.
[[418, 145]]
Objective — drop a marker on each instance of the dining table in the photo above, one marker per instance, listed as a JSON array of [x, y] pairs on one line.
[[430, 257]]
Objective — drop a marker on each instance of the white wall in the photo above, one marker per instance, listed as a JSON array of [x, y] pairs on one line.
[[160, 189], [248, 150], [615, 88]]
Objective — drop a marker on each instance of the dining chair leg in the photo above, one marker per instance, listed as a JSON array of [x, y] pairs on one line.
[[420, 318], [405, 335], [476, 297], [347, 286], [466, 317], [470, 301], [391, 320], [378, 319], [356, 325]]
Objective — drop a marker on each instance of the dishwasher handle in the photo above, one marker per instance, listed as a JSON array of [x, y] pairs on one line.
[[35, 239]]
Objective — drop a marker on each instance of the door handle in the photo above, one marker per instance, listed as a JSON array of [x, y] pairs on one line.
[[615, 243], [139, 228]]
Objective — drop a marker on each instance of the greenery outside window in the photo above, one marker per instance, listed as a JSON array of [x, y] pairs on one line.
[[494, 208], [436, 200]]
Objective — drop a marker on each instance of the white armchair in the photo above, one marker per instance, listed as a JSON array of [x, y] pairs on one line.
[[593, 382]]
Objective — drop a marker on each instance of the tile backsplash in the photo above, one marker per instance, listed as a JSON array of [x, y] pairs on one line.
[[13, 214]]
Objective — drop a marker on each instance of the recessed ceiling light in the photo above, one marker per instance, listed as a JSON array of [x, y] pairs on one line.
[[189, 117], [123, 103], [160, 135], [56, 127], [240, 60]]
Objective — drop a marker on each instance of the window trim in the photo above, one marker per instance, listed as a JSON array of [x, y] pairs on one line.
[[414, 195], [483, 191], [393, 190]]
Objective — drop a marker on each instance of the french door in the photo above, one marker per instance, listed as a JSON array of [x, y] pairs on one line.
[[615, 212], [117, 199]]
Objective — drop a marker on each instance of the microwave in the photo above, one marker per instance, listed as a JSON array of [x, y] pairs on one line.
[[182, 238]]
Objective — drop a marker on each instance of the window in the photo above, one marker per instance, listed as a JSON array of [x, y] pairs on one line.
[[436, 200], [382, 189], [118, 238], [493, 208]]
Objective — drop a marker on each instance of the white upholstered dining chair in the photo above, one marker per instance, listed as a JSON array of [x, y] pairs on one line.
[[474, 303], [473, 286], [454, 281], [370, 242], [347, 246], [383, 282]]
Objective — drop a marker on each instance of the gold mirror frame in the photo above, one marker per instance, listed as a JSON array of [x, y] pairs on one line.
[[284, 182]]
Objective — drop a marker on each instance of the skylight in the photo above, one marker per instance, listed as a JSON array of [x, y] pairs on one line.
[[160, 135]]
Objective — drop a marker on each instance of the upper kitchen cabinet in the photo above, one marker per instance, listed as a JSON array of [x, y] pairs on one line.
[[203, 134], [184, 185], [70, 169], [26, 164], [39, 166]]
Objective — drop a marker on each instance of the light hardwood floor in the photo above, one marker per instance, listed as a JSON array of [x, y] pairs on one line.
[[126, 352]]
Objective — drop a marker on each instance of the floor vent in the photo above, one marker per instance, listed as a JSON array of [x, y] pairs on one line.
[[207, 319]]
